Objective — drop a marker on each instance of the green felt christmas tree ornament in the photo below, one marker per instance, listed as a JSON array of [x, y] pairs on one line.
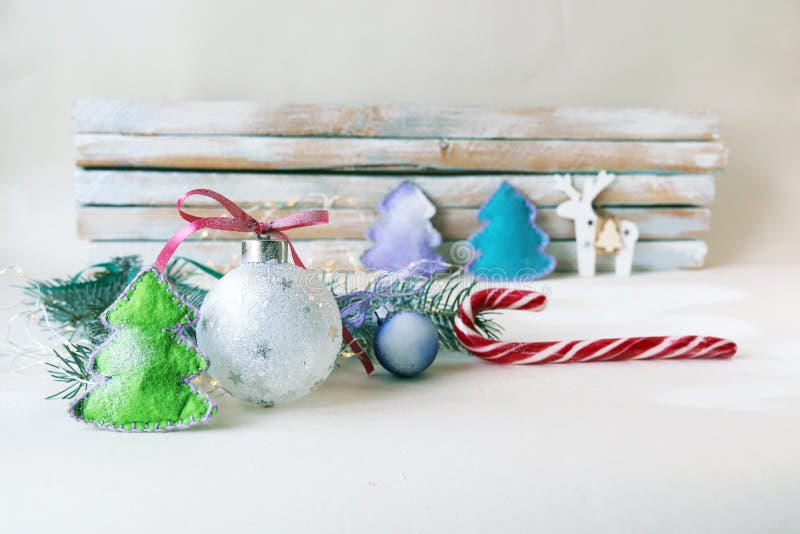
[[143, 369]]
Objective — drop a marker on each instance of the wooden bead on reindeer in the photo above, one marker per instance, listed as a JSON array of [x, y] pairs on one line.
[[594, 234]]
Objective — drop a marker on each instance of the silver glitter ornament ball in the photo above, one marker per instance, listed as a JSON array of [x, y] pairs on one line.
[[270, 330]]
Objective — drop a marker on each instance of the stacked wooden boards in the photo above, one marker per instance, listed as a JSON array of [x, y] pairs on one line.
[[134, 160]]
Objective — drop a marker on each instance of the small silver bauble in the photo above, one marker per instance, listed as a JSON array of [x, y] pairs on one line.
[[270, 330]]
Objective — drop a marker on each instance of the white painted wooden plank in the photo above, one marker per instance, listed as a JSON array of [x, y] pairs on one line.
[[452, 223], [262, 118], [338, 254], [163, 188], [343, 154], [648, 256]]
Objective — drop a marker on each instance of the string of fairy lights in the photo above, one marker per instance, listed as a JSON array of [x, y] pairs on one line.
[[266, 210], [30, 336], [32, 350]]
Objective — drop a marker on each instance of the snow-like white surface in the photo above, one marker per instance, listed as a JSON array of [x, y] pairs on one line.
[[676, 446]]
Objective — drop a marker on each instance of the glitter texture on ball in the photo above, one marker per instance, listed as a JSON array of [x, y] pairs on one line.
[[271, 332]]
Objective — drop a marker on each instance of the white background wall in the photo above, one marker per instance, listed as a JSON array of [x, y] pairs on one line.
[[742, 58]]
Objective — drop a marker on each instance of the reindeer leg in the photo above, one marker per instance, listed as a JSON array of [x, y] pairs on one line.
[[587, 255], [623, 262]]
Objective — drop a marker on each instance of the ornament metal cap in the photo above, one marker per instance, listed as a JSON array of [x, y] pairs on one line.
[[264, 250]]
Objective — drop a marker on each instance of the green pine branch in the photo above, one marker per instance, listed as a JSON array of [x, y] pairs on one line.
[[438, 299], [72, 369], [73, 307]]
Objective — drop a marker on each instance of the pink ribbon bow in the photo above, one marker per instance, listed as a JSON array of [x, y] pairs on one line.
[[241, 221]]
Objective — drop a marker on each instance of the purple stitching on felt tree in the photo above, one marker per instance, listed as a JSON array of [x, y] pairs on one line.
[[404, 234], [509, 246], [166, 355]]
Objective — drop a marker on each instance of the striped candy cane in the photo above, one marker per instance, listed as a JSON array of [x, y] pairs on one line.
[[597, 350]]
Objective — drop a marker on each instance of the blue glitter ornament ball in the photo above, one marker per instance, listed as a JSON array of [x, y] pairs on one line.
[[406, 343]]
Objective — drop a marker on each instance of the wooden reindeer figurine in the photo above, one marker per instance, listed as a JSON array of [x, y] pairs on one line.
[[596, 235]]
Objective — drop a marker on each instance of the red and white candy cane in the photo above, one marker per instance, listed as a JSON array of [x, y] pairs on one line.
[[597, 350]]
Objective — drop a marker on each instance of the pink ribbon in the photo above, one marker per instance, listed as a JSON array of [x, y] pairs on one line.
[[240, 221]]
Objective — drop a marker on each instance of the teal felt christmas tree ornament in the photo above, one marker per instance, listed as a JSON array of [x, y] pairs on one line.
[[509, 246], [143, 369]]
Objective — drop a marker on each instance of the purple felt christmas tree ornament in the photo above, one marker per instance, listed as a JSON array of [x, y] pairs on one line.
[[404, 234]]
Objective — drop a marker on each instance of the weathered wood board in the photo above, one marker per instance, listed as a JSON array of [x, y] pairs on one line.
[[162, 188], [134, 160], [344, 254], [460, 223], [261, 118], [394, 155]]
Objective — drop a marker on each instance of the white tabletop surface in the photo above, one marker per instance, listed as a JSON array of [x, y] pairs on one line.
[[689, 446]]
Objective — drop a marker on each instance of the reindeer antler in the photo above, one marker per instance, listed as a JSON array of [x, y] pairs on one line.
[[564, 184], [593, 186]]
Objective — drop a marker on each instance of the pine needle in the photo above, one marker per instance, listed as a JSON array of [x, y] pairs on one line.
[[438, 299], [73, 307], [71, 368]]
